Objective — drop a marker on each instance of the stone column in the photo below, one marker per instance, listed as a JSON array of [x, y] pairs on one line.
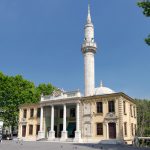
[[41, 132], [64, 133], [77, 117], [64, 118], [41, 119], [52, 118], [77, 132], [52, 132]]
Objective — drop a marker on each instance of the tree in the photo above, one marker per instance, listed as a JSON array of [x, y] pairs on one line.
[[15, 91], [143, 117], [146, 11], [45, 89]]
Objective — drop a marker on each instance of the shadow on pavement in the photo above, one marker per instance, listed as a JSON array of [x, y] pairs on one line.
[[110, 146]]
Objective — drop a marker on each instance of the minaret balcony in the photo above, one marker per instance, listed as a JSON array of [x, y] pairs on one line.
[[89, 47]]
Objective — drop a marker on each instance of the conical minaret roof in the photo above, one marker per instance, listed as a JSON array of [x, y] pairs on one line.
[[89, 20]]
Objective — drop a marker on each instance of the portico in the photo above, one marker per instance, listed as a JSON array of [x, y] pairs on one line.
[[64, 118]]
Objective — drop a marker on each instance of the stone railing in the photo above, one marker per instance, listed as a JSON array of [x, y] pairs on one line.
[[63, 95], [91, 44]]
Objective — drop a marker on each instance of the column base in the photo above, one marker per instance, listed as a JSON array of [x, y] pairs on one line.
[[51, 135], [41, 135], [77, 136], [64, 135]]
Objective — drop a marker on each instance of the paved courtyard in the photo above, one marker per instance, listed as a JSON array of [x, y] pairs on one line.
[[14, 145]]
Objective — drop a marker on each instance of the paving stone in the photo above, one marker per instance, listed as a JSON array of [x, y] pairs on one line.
[[21, 145]]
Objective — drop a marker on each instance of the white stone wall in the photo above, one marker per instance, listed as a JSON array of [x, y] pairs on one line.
[[89, 76], [89, 34]]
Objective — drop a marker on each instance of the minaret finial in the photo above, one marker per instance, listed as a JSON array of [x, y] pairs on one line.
[[89, 14], [89, 7]]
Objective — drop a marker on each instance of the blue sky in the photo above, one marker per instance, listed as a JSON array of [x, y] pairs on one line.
[[41, 40]]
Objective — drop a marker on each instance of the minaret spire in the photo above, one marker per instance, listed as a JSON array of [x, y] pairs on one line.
[[89, 14]]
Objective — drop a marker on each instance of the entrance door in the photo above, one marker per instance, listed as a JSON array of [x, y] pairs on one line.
[[23, 130], [71, 129], [112, 130]]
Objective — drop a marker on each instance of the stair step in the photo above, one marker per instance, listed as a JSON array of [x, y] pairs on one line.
[[112, 142]]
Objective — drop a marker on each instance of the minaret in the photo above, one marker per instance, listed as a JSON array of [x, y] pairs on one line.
[[89, 49]]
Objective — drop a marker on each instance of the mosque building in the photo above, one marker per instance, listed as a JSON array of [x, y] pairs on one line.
[[101, 114]]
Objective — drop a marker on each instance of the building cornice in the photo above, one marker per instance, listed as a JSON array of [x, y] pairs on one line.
[[113, 95], [79, 99], [29, 105], [61, 101]]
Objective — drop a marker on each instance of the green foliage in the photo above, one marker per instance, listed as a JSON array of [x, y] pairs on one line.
[[143, 117], [146, 11], [147, 40], [45, 89], [146, 7], [15, 91]]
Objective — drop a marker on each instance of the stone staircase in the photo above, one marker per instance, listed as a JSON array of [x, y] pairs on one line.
[[56, 140], [113, 141], [69, 140], [43, 139]]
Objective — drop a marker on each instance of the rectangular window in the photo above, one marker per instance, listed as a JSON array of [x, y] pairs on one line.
[[30, 129], [132, 130], [125, 128], [72, 112], [134, 112], [38, 112], [31, 113], [25, 113], [99, 128], [99, 107], [61, 113], [124, 107], [111, 106], [37, 129], [131, 110]]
